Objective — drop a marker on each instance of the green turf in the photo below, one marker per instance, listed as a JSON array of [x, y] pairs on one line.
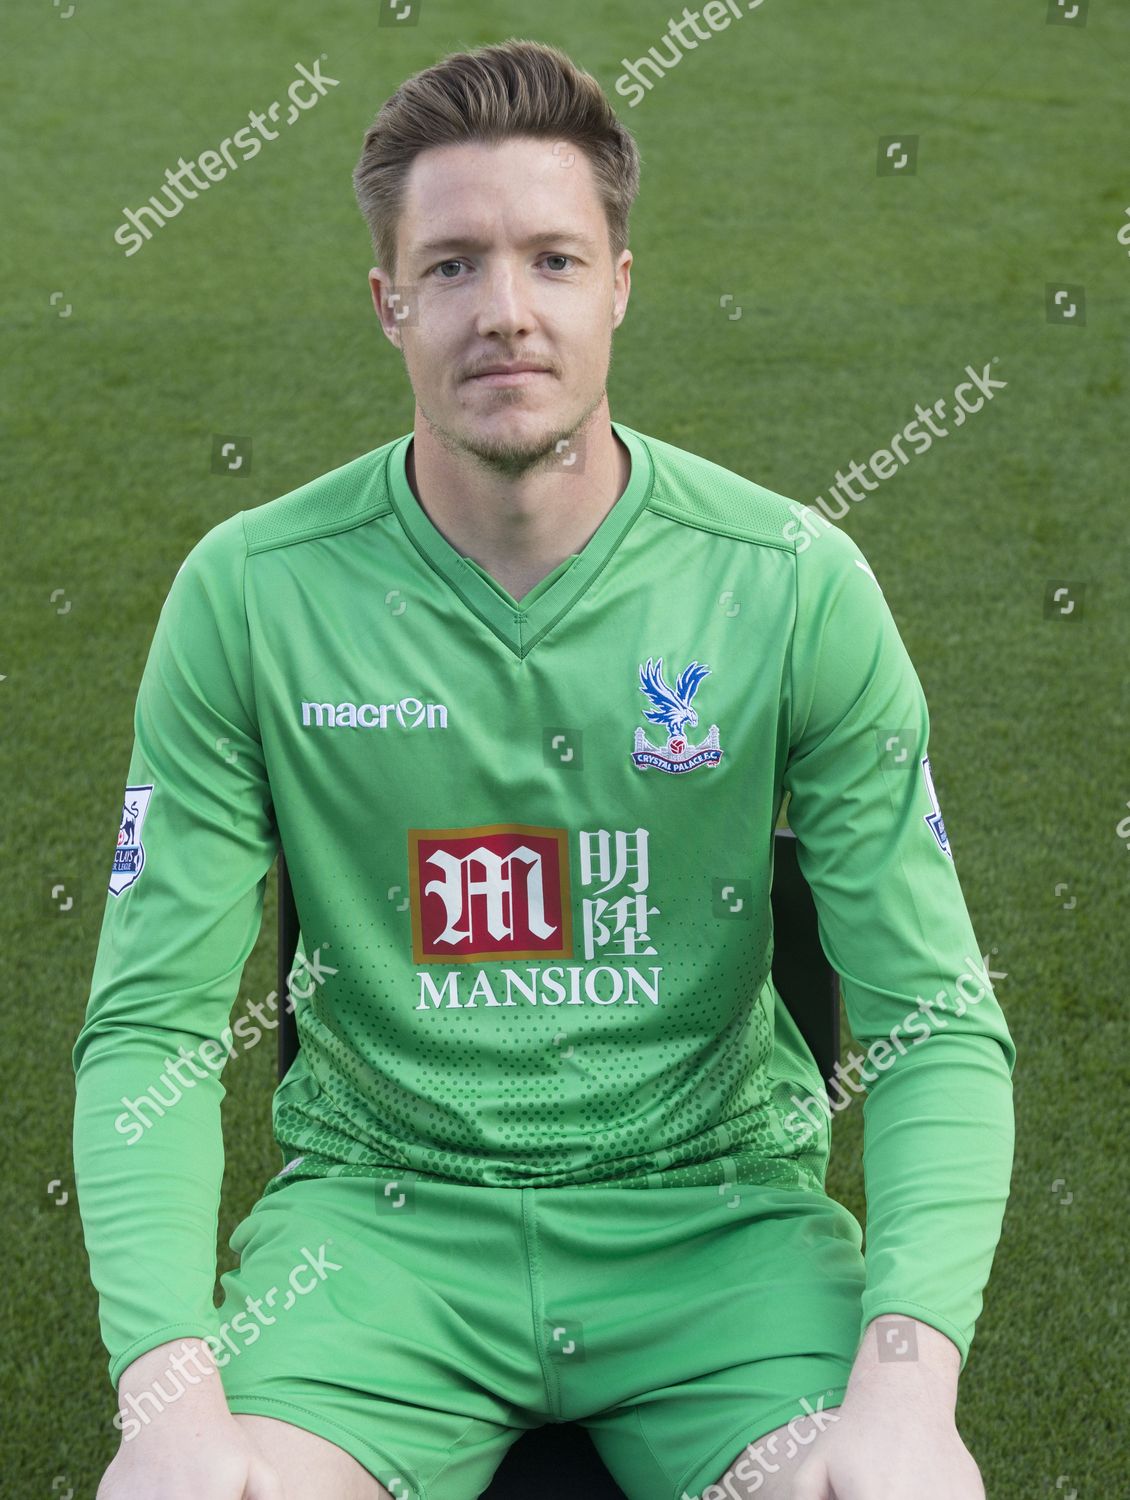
[[860, 295]]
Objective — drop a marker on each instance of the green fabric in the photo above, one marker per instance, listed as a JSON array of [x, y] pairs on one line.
[[536, 924], [539, 588], [389, 1286]]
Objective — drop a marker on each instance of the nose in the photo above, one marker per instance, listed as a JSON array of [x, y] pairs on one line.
[[504, 306]]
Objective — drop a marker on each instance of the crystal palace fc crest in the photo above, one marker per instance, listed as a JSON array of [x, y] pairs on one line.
[[671, 709]]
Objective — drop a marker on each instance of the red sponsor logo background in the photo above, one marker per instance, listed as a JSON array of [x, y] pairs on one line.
[[519, 912]]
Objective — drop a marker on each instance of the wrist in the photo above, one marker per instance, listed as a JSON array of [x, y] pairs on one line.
[[901, 1355], [180, 1371]]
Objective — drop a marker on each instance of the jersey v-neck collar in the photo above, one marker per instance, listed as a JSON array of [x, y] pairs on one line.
[[520, 625], [531, 594]]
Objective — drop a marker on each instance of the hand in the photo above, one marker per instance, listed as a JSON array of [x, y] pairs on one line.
[[186, 1460], [886, 1446], [190, 1445]]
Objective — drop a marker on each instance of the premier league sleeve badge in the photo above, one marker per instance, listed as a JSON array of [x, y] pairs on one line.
[[129, 856]]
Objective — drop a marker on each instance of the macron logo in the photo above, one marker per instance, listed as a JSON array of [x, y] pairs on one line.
[[409, 713]]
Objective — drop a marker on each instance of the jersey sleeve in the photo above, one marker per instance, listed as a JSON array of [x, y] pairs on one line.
[[936, 1058], [182, 913]]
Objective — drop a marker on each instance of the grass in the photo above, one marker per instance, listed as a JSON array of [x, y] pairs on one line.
[[860, 295]]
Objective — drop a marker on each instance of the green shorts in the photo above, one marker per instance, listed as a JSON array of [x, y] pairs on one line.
[[423, 1325]]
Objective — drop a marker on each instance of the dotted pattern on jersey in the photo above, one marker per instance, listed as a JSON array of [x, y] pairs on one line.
[[345, 497], [364, 1122]]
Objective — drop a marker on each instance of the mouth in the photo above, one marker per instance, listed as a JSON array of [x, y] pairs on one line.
[[517, 376]]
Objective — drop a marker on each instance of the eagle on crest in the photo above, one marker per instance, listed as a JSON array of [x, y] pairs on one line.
[[672, 706]]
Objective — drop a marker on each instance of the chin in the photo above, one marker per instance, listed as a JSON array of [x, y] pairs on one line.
[[510, 438]]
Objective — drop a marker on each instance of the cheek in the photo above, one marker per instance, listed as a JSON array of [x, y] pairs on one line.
[[426, 357], [583, 342]]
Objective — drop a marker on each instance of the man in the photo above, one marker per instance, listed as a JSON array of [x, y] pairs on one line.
[[521, 694]]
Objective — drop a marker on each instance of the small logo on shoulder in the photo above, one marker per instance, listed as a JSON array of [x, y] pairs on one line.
[[933, 819], [129, 856], [671, 708]]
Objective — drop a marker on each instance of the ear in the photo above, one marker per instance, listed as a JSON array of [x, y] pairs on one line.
[[621, 287], [390, 304]]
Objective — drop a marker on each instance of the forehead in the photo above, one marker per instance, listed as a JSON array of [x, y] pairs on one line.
[[481, 189]]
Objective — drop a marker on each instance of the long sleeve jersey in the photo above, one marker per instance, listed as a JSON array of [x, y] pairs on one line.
[[531, 845]]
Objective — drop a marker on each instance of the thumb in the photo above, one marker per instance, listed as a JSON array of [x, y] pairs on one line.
[[263, 1482]]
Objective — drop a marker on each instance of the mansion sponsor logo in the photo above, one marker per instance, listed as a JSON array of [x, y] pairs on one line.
[[502, 891], [409, 713], [556, 984]]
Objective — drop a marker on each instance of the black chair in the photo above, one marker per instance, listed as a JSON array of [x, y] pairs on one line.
[[559, 1459]]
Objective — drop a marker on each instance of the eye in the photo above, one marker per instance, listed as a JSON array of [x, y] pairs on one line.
[[438, 270]]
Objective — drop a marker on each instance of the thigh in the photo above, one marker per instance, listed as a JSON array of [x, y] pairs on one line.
[[360, 1317], [709, 1319]]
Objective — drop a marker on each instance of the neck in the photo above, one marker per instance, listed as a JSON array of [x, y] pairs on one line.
[[519, 527]]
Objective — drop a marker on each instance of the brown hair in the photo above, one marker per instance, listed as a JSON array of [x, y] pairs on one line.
[[515, 88]]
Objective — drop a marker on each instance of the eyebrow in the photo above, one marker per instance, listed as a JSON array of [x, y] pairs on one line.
[[543, 236]]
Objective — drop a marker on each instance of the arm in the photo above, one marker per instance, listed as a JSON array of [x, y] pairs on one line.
[[148, 1149], [897, 1350], [935, 1058]]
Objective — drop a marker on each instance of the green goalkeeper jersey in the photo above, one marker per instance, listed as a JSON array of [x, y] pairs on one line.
[[531, 846]]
